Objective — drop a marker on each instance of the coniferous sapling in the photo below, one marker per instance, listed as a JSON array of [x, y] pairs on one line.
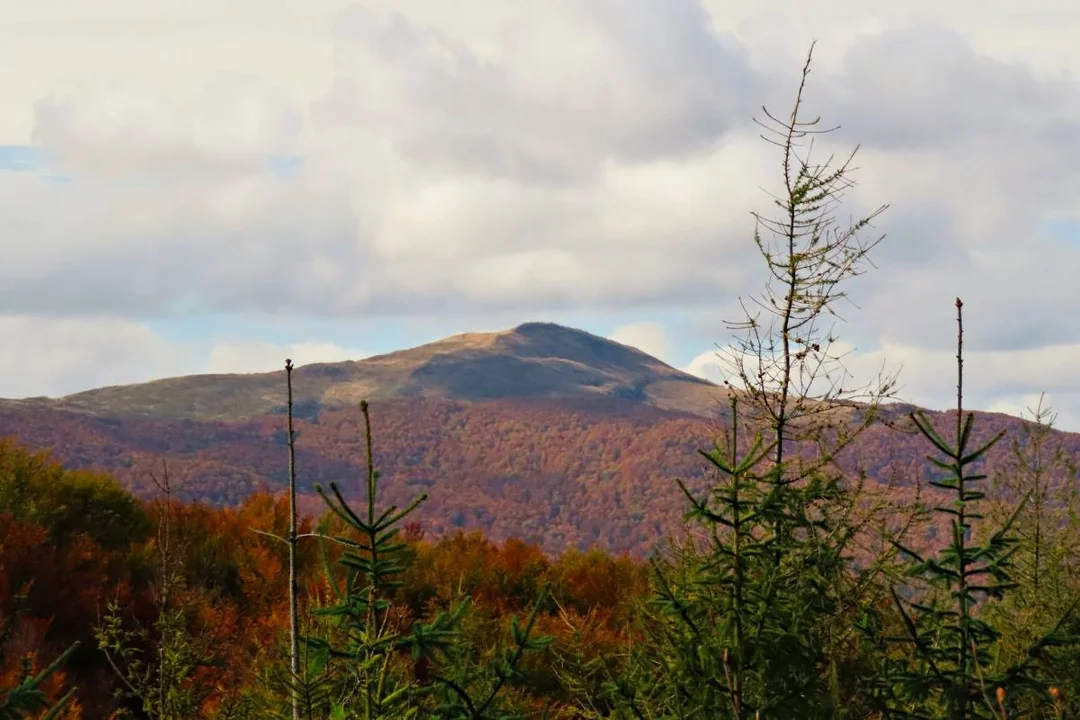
[[375, 634], [950, 674], [27, 699]]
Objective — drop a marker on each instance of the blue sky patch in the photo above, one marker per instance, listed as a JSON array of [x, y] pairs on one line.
[[387, 334], [21, 158], [1062, 231], [284, 166], [28, 158]]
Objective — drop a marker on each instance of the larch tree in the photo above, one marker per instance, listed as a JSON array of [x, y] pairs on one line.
[[747, 615]]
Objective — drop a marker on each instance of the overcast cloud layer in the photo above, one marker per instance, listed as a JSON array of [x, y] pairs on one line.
[[472, 165]]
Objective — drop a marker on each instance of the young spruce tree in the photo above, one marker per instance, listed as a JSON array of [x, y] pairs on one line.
[[950, 672], [373, 636], [28, 699]]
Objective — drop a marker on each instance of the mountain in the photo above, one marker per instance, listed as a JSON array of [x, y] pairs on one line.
[[541, 432], [533, 360]]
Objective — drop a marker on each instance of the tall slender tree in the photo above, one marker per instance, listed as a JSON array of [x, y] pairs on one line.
[[305, 681], [785, 358], [743, 619], [157, 665], [294, 613]]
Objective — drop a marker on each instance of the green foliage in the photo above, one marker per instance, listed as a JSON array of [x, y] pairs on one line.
[[951, 674], [487, 677], [1043, 564], [314, 685], [367, 634], [747, 613], [371, 637], [27, 698], [736, 627], [158, 666], [69, 502]]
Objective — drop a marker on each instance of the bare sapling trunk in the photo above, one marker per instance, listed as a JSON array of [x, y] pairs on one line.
[[294, 617]]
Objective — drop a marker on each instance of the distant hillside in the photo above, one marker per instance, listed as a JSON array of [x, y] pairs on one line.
[[564, 472], [539, 432], [532, 360]]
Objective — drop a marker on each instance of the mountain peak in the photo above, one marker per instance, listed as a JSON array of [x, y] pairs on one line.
[[538, 327], [531, 360], [550, 339]]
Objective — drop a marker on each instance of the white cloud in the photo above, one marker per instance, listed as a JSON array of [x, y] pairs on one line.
[[228, 125], [252, 356], [923, 86], [631, 80], [707, 365], [989, 375], [483, 157], [1005, 381], [649, 337], [419, 186], [57, 356]]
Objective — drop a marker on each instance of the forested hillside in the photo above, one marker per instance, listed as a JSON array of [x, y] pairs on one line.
[[811, 549], [72, 543], [564, 472]]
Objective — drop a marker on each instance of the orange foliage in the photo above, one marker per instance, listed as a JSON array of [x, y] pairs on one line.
[[566, 474], [580, 479]]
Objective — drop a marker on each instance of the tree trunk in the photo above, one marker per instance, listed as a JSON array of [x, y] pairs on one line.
[[294, 617]]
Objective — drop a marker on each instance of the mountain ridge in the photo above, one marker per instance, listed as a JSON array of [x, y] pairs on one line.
[[540, 431], [533, 359]]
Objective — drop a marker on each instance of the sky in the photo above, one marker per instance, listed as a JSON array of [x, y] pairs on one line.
[[207, 186]]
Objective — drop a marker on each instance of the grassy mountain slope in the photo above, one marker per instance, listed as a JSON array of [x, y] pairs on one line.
[[531, 360]]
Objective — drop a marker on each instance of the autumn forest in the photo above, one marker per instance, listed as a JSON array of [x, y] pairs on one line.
[[541, 524]]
